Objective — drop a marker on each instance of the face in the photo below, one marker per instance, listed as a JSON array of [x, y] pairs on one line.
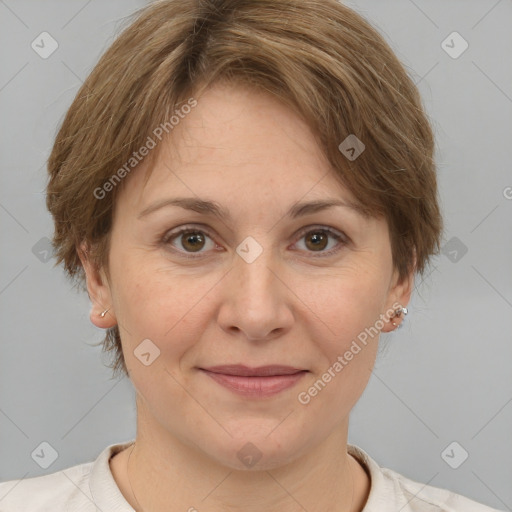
[[259, 286]]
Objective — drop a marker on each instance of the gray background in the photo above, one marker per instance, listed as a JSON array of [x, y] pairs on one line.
[[445, 377]]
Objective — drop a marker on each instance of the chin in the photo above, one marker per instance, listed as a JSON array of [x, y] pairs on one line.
[[259, 452]]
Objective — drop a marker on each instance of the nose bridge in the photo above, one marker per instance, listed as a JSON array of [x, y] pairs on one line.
[[252, 268]]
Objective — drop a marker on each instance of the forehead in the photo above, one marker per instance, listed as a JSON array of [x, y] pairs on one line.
[[237, 142]]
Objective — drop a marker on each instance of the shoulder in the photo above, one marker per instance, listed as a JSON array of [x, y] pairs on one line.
[[85, 487], [62, 490], [390, 491], [427, 498]]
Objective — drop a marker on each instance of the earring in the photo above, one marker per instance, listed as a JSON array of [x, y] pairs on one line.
[[104, 313], [398, 312]]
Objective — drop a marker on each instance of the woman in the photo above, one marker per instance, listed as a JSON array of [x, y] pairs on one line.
[[247, 190]]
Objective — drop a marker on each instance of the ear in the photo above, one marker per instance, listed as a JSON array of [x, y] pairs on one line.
[[99, 291], [398, 297]]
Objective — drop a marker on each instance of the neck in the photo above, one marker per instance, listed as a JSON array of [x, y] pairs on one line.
[[168, 474]]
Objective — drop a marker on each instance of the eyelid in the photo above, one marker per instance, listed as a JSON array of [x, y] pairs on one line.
[[320, 227], [171, 233]]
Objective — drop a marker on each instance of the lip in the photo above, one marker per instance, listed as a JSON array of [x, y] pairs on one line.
[[260, 382], [241, 370]]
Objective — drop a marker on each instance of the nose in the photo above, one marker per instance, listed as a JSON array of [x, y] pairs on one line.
[[256, 301]]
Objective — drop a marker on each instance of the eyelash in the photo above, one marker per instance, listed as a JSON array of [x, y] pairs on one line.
[[340, 237]]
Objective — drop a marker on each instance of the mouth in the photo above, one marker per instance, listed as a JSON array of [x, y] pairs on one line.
[[239, 370], [260, 382]]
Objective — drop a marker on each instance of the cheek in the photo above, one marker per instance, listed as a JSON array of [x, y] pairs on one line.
[[162, 305], [346, 327], [346, 302], [163, 309]]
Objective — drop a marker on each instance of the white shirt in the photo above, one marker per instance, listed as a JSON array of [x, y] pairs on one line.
[[90, 487]]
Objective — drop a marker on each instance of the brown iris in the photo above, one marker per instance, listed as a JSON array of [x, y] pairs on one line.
[[193, 241], [319, 240]]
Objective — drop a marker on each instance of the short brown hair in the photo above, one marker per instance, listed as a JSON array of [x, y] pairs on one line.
[[321, 58]]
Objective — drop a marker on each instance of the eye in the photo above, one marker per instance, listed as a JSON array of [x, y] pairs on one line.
[[317, 239], [192, 240]]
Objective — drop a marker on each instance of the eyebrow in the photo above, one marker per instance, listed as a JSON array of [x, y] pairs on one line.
[[213, 208]]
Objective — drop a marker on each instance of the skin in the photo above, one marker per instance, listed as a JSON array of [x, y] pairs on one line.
[[295, 305]]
